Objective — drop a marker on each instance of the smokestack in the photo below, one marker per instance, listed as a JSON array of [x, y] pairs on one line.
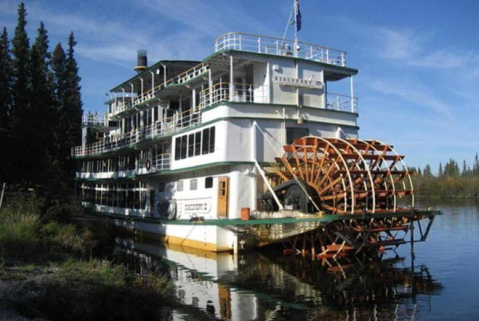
[[142, 61]]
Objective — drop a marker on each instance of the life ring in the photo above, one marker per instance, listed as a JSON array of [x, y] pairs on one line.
[[148, 164]]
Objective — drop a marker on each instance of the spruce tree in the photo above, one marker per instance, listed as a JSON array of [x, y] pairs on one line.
[[41, 104], [5, 105], [73, 112], [21, 134], [60, 88], [427, 170]]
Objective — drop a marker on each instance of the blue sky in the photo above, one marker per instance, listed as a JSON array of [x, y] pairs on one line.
[[418, 61]]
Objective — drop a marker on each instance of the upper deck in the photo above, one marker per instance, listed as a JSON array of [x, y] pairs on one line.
[[171, 96], [280, 47]]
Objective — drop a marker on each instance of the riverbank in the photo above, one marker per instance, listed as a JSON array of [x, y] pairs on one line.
[[56, 270]]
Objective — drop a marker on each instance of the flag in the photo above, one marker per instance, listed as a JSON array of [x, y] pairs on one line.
[[298, 17]]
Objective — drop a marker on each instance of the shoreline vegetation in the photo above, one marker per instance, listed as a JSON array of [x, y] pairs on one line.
[[64, 271], [52, 267], [451, 181]]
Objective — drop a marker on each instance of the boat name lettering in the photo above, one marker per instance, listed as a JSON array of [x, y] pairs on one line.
[[199, 207], [297, 82]]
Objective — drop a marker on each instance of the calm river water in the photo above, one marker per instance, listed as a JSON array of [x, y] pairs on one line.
[[442, 283]]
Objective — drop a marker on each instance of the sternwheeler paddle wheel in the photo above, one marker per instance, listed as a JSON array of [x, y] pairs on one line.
[[363, 187]]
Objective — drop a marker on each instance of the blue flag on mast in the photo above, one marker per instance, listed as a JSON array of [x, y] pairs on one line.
[[298, 16]]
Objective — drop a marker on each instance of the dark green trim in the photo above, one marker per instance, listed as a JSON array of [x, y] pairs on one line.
[[147, 70], [349, 70], [117, 179], [325, 218], [199, 167], [173, 172], [186, 82], [276, 105], [158, 138]]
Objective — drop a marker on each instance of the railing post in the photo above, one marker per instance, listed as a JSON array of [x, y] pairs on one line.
[[132, 87], [240, 43], [351, 93], [231, 87], [259, 44]]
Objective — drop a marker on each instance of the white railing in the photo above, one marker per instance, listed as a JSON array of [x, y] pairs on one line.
[[241, 93], [341, 103], [105, 175], [94, 120], [280, 47], [169, 126], [149, 94], [159, 163]]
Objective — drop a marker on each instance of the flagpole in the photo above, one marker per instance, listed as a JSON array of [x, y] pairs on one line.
[[295, 6]]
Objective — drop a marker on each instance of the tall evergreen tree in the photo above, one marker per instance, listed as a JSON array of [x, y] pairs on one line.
[[21, 133], [68, 102], [74, 96], [465, 171], [427, 170], [475, 166], [60, 88], [41, 102], [5, 104]]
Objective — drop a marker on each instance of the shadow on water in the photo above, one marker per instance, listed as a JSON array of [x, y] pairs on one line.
[[260, 286]]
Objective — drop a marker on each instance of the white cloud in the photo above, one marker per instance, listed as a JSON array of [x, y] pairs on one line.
[[414, 93]]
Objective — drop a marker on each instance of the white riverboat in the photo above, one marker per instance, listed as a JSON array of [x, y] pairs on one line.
[[187, 140], [252, 145]]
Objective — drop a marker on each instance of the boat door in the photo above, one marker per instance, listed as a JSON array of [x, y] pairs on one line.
[[223, 193]]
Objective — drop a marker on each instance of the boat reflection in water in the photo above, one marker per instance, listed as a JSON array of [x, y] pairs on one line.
[[256, 286]]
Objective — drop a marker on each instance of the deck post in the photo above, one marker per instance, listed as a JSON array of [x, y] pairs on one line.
[[411, 227], [132, 90], [152, 82], [231, 78], [351, 83]]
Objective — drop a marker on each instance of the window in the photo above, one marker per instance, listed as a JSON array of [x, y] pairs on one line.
[[209, 182], [193, 184], [294, 133], [212, 140], [191, 145], [177, 148], [179, 186], [206, 141], [197, 143], [202, 142], [184, 146]]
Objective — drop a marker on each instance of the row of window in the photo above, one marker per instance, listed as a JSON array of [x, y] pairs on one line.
[[132, 196], [193, 184], [112, 164], [195, 144], [122, 162]]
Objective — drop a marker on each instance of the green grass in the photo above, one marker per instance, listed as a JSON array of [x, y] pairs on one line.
[[55, 261]]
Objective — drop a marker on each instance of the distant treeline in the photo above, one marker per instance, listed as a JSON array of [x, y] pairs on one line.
[[40, 108], [452, 180]]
